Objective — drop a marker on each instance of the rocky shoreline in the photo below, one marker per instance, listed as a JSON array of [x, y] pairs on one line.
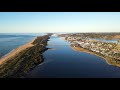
[[19, 65]]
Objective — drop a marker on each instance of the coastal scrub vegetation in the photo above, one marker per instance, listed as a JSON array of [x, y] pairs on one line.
[[26, 60]]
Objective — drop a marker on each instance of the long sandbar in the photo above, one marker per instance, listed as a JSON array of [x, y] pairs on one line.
[[15, 52]]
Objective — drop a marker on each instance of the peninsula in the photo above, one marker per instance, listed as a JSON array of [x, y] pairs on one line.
[[104, 45], [19, 62]]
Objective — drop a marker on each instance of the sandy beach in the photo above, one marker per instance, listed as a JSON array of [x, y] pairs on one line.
[[86, 51], [15, 52], [19, 62]]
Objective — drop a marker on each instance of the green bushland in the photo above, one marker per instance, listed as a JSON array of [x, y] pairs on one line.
[[26, 60]]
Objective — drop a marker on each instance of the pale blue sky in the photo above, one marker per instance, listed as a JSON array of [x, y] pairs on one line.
[[35, 22]]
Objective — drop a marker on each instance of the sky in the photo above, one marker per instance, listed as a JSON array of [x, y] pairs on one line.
[[36, 22]]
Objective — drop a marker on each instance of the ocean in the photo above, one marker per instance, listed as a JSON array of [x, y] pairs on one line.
[[10, 41]]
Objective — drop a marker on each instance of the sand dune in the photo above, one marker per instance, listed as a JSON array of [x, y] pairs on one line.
[[15, 52]]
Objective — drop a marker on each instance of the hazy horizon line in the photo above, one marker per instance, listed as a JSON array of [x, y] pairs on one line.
[[55, 32]]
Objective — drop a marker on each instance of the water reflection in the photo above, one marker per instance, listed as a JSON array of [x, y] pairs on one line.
[[110, 61], [62, 61]]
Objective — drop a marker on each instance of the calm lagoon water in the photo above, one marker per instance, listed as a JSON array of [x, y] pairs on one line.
[[64, 62]]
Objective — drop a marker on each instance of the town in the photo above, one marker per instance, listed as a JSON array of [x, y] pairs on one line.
[[104, 49]]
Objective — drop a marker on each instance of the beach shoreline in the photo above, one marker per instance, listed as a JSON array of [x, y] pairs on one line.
[[16, 51], [24, 58], [80, 49]]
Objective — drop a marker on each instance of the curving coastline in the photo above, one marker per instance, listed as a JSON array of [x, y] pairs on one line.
[[22, 60], [109, 60], [13, 53], [86, 51]]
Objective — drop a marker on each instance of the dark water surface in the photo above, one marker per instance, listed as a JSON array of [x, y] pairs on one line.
[[64, 62]]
